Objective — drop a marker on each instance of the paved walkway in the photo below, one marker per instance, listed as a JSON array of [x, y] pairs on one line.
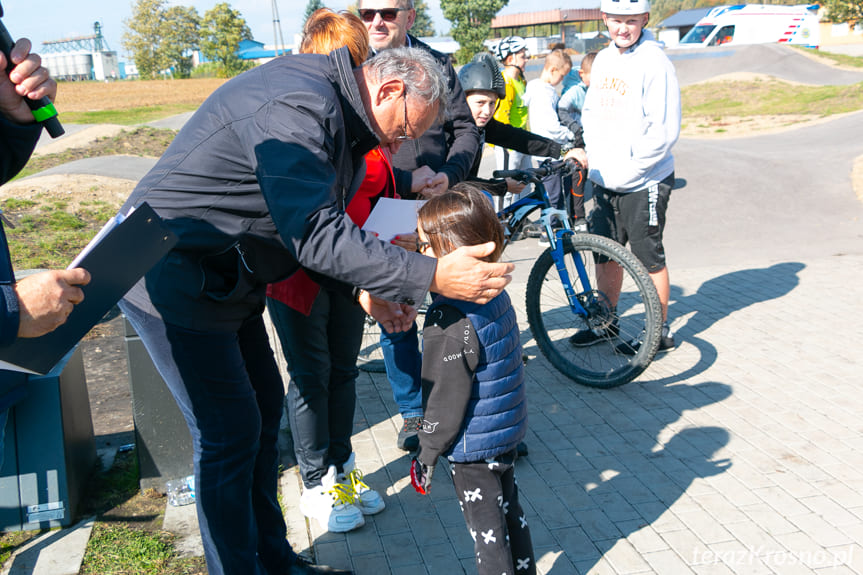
[[740, 452]]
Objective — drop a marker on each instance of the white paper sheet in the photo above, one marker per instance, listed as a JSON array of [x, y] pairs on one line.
[[392, 217]]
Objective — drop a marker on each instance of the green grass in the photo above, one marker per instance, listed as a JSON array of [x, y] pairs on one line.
[[128, 116], [838, 59], [127, 536], [768, 97], [118, 549], [771, 97], [47, 233], [142, 141], [9, 542], [115, 486]]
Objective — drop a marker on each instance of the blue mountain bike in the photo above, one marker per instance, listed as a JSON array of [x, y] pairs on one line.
[[564, 296]]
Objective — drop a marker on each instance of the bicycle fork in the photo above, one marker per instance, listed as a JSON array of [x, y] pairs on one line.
[[559, 257]]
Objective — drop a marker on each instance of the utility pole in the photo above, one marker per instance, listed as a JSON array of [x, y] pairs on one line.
[[278, 39]]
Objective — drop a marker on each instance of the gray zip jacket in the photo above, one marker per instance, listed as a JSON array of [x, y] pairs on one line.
[[255, 185]]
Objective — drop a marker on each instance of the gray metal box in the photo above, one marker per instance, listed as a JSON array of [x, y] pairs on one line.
[[164, 445], [50, 451]]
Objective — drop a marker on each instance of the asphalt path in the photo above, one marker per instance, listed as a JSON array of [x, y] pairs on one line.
[[122, 167], [772, 59], [783, 196]]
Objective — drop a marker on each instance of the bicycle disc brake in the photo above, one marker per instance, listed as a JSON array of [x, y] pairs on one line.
[[600, 312]]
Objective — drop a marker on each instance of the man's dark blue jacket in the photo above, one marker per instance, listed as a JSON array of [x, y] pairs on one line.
[[16, 145], [255, 185]]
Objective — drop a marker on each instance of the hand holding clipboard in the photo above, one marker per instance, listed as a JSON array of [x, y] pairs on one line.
[[117, 258]]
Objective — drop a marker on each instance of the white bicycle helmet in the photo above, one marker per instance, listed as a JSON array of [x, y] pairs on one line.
[[625, 6], [509, 45]]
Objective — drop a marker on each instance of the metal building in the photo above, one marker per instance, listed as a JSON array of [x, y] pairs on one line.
[[576, 28], [81, 58]]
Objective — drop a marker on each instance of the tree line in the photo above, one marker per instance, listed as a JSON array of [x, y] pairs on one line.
[[161, 37]]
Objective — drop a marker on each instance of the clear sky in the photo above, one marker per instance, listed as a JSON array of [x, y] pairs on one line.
[[44, 20]]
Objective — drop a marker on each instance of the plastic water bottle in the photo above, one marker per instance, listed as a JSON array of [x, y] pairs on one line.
[[181, 491]]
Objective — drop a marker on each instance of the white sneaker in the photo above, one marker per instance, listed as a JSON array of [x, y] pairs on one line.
[[367, 500], [331, 505]]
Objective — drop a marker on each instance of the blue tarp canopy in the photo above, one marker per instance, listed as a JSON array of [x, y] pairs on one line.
[[253, 50]]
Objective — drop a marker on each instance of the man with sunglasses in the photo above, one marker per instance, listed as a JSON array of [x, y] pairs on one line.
[[428, 165], [429, 156]]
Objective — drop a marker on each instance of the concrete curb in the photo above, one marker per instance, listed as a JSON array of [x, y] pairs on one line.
[[58, 552]]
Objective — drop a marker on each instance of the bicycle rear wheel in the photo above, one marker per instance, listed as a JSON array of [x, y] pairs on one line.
[[638, 315]]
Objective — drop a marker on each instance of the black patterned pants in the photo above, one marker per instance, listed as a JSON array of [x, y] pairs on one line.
[[488, 496]]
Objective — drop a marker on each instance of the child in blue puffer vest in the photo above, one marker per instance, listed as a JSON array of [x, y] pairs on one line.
[[473, 394]]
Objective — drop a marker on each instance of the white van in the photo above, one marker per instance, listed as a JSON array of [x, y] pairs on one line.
[[755, 24]]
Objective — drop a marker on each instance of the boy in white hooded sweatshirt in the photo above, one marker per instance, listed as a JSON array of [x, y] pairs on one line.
[[631, 120]]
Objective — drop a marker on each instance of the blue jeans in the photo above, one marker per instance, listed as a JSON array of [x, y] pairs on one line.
[[229, 390], [403, 361], [321, 351]]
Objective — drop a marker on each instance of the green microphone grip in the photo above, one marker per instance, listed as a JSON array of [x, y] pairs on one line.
[[43, 110]]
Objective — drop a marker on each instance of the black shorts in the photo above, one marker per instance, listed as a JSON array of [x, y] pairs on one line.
[[637, 218]]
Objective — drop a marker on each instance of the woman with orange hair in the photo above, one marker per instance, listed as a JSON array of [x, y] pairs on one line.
[[326, 30], [320, 329]]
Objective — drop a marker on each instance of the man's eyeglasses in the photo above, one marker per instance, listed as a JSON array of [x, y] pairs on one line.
[[422, 246], [404, 137], [387, 14]]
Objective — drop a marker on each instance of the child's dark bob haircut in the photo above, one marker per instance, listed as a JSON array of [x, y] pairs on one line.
[[461, 216]]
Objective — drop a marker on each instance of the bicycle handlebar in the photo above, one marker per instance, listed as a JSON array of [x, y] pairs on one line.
[[547, 168]]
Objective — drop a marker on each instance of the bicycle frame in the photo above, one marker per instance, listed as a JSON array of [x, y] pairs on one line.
[[563, 299], [515, 214]]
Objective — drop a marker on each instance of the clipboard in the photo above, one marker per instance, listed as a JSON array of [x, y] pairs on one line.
[[125, 250]]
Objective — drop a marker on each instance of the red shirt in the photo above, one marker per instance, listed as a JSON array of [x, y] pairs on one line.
[[299, 291]]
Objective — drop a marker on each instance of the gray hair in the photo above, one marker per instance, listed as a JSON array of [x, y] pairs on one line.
[[423, 76]]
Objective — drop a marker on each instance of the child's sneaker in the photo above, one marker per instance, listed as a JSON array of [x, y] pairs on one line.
[[331, 504], [367, 500]]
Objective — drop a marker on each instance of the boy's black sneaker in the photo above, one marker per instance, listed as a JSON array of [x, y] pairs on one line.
[[666, 343], [408, 439], [588, 337]]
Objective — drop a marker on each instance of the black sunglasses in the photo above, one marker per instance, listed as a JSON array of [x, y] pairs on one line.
[[387, 14]]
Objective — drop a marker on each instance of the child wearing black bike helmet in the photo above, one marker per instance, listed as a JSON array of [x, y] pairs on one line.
[[474, 401], [484, 88]]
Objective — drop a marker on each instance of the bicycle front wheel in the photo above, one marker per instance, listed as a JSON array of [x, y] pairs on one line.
[[627, 330]]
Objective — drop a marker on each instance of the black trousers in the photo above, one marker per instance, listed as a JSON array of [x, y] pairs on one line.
[[488, 496]]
